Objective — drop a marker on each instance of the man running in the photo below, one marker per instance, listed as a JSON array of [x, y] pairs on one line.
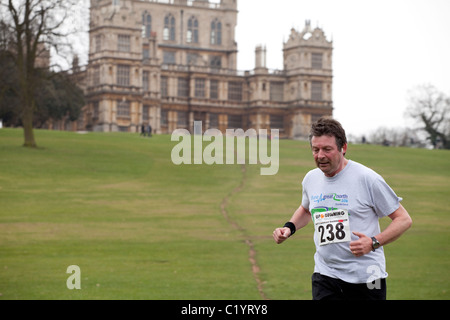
[[345, 199]]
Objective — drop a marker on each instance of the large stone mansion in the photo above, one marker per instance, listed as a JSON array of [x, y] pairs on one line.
[[169, 63]]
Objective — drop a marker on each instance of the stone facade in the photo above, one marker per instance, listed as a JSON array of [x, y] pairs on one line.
[[169, 63]]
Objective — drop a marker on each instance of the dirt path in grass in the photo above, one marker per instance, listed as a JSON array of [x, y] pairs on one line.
[[248, 241]]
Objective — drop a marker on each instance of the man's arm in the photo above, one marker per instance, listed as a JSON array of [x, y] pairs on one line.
[[401, 221], [300, 218]]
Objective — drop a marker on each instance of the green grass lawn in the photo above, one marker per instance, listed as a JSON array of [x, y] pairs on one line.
[[140, 227]]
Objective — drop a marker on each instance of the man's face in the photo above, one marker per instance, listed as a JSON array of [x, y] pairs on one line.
[[327, 156]]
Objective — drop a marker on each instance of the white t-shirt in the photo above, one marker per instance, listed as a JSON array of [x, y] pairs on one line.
[[366, 197]]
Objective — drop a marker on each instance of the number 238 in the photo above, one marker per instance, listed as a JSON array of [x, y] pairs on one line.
[[339, 233]]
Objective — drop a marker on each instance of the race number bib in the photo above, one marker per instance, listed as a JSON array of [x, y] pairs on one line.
[[332, 226]]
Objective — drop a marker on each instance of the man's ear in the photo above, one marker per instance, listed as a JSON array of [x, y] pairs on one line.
[[344, 149]]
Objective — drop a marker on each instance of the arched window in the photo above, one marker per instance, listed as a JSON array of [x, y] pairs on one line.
[[216, 32], [192, 30], [169, 28], [147, 25]]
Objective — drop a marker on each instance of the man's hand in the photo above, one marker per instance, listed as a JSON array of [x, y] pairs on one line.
[[361, 246], [281, 234]]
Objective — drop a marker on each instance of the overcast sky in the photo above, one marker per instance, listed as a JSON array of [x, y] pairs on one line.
[[382, 49]]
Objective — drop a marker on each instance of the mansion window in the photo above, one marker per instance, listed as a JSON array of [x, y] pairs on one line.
[[316, 90], [123, 75], [316, 60], [213, 120], [234, 121], [183, 87], [164, 118], [96, 76], [200, 88], [216, 32], [192, 58], [276, 122], [277, 91], [164, 87], [215, 62], [95, 111], [192, 31], [169, 28], [98, 42], [145, 112], [182, 119], [123, 43], [169, 57], [123, 109], [214, 89], [235, 91], [146, 81], [146, 25], [145, 53]]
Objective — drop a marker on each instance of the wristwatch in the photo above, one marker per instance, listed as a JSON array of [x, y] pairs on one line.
[[375, 244]]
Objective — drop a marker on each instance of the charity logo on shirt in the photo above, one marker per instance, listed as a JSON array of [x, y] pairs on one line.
[[336, 200], [341, 199]]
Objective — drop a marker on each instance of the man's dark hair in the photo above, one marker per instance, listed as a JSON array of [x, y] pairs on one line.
[[328, 127]]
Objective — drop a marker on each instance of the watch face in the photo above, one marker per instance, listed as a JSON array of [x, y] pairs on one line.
[[375, 243]]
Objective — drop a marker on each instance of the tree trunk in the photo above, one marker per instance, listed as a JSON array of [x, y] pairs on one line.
[[27, 122]]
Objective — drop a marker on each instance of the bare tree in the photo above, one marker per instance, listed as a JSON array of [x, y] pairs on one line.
[[396, 137], [431, 109], [30, 29]]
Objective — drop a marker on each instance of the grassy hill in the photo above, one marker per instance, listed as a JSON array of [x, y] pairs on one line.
[[140, 227]]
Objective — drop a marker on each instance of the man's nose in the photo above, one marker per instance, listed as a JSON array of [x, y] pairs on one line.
[[320, 154]]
